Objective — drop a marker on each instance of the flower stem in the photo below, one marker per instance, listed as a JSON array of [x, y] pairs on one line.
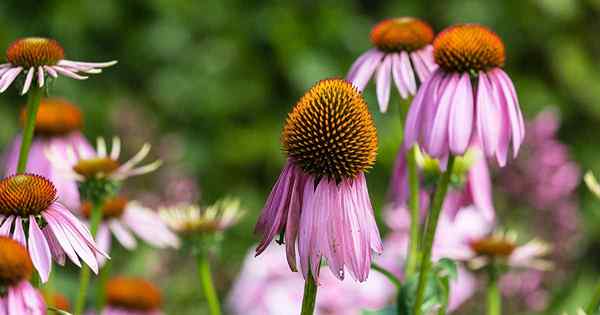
[[432, 220], [388, 274], [595, 302], [310, 296], [84, 275], [207, 285], [103, 279], [413, 205], [33, 104], [494, 297]]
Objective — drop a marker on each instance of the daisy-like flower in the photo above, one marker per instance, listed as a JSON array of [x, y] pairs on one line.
[[132, 296], [53, 232], [17, 296], [402, 47], [37, 57], [469, 96], [190, 219], [80, 164], [122, 217], [58, 123], [321, 199]]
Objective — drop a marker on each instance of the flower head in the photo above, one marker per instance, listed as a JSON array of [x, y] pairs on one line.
[[468, 99], [53, 232], [321, 199], [402, 47], [37, 56], [17, 296], [55, 117], [190, 219], [135, 296]]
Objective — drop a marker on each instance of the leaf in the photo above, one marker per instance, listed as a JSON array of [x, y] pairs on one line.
[[448, 268], [433, 299]]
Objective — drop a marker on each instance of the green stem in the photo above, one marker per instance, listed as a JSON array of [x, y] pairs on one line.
[[310, 296], [494, 297], [33, 104], [413, 205], [84, 275], [207, 285], [393, 279], [101, 290], [432, 220], [592, 308]]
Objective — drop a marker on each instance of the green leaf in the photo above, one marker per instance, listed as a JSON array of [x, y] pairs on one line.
[[448, 268], [434, 294]]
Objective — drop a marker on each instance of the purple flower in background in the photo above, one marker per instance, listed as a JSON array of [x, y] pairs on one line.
[[448, 112], [58, 125], [402, 47], [53, 232], [321, 199], [265, 287]]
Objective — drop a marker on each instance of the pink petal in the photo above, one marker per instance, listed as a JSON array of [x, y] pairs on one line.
[[437, 145], [383, 83], [358, 64], [60, 235], [18, 233], [407, 74], [397, 75], [416, 111], [306, 229], [293, 220], [480, 185], [39, 250], [28, 80], [122, 235], [365, 72], [6, 226], [488, 126], [461, 116]]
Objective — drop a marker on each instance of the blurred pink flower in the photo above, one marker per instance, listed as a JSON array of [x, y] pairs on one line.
[[265, 286], [22, 298]]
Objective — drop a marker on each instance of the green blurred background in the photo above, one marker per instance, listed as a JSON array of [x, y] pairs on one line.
[[211, 82]]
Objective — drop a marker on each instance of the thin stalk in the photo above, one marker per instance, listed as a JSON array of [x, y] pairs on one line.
[[595, 302], [432, 221], [494, 297], [310, 296], [393, 279], [207, 285], [413, 205], [33, 104], [101, 290], [84, 275]]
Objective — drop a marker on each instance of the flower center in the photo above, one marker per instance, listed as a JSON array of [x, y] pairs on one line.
[[330, 132], [55, 117], [96, 167], [34, 52], [113, 208], [132, 294], [25, 194], [405, 33], [493, 246], [468, 47], [15, 263]]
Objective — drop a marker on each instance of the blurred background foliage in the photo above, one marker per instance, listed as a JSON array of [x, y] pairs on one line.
[[209, 84]]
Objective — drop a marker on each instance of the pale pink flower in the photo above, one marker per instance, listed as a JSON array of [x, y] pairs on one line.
[[402, 47], [449, 112], [36, 57]]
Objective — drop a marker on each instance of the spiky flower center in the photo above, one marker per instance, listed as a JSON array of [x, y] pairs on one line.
[[34, 52], [401, 34], [25, 195], [468, 47], [330, 132], [55, 117], [96, 167], [15, 263], [133, 294], [113, 208], [493, 246]]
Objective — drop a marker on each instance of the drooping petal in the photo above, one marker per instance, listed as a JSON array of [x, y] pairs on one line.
[[28, 80], [358, 64], [39, 250], [307, 229], [58, 254], [60, 235], [480, 187], [416, 112], [438, 140], [516, 117], [488, 124], [293, 220], [6, 226], [384, 82], [461, 116], [365, 72], [18, 233], [407, 74], [122, 234], [397, 75]]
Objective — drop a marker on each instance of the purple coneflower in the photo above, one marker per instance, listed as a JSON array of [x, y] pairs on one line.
[[17, 296], [402, 47], [58, 123], [36, 56], [132, 296], [469, 96], [53, 232], [321, 198], [122, 217]]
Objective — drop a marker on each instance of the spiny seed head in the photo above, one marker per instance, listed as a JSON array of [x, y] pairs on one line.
[[25, 194], [15, 263], [468, 47], [55, 117], [330, 132], [133, 294], [90, 168], [34, 52], [493, 246], [401, 34], [113, 208]]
